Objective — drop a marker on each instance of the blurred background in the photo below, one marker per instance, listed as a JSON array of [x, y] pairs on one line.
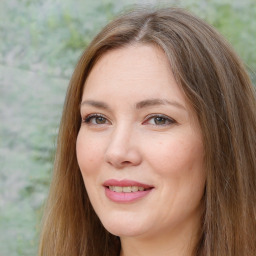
[[40, 43]]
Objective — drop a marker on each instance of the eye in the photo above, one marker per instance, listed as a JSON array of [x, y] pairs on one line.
[[96, 119], [159, 120]]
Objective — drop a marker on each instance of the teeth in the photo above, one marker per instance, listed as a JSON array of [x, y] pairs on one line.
[[135, 188], [126, 189]]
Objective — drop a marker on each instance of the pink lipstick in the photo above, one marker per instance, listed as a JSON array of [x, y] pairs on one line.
[[126, 191]]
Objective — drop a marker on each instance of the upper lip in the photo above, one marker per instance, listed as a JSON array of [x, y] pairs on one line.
[[125, 183]]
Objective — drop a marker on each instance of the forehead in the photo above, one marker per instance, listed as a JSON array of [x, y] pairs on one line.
[[132, 71]]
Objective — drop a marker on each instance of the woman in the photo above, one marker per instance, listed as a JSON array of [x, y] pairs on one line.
[[156, 151]]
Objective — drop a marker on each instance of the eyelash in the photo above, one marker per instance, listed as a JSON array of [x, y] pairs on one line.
[[89, 118], [167, 119], [170, 121]]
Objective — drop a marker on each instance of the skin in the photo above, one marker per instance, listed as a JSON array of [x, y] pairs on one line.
[[128, 141]]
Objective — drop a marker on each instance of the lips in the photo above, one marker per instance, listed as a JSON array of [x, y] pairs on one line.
[[125, 191]]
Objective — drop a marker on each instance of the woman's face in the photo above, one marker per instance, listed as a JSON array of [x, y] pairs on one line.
[[140, 147]]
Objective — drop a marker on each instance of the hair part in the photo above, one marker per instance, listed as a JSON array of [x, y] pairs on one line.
[[216, 84]]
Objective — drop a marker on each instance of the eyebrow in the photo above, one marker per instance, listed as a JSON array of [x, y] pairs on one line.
[[94, 103], [157, 102], [139, 105]]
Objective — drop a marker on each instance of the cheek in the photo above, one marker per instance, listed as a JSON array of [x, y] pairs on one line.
[[175, 156], [89, 153], [179, 166]]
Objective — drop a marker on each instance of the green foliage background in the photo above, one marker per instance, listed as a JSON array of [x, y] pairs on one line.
[[41, 41]]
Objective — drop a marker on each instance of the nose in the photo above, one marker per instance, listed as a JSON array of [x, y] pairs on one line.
[[122, 150]]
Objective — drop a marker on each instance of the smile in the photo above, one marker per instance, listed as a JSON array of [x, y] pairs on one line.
[[126, 191]]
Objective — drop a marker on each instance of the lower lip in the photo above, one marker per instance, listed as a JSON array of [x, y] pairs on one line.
[[122, 197]]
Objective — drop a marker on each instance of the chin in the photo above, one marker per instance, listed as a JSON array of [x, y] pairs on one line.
[[123, 228], [124, 232]]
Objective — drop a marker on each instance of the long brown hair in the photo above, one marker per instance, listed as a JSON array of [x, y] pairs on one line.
[[218, 87]]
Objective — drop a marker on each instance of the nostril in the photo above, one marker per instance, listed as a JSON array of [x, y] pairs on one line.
[[120, 157], [125, 162]]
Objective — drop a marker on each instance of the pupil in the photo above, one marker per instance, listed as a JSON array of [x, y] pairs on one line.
[[100, 120], [159, 120]]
